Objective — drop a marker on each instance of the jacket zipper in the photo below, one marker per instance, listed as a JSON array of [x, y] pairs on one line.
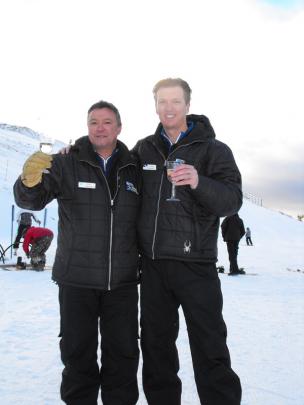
[[111, 214], [111, 228], [157, 212], [111, 242]]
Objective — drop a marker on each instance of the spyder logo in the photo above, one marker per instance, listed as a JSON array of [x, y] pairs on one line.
[[187, 246]]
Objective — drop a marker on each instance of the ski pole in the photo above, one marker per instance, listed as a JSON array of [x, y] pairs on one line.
[[12, 228], [44, 219]]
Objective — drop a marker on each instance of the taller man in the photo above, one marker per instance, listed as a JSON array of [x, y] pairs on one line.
[[178, 243]]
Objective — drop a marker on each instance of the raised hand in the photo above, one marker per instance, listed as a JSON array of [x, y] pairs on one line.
[[33, 168]]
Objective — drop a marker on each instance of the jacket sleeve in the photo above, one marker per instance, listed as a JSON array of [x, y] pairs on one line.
[[36, 198], [242, 229], [219, 189]]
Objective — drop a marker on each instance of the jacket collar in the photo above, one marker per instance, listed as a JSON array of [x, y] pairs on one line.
[[201, 132], [85, 151]]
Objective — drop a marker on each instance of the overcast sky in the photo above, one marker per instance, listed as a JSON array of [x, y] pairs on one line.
[[242, 58]]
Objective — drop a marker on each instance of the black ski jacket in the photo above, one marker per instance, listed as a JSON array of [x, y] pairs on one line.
[[233, 228], [186, 230], [96, 245]]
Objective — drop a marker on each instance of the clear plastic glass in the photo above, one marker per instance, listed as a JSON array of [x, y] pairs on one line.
[[171, 165], [46, 144]]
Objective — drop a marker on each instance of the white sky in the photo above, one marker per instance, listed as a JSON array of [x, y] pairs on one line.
[[243, 59]]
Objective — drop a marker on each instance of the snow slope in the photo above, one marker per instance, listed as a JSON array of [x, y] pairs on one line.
[[264, 313], [16, 144]]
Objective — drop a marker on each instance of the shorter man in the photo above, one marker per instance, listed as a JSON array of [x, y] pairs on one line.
[[233, 230], [24, 220], [96, 267], [40, 240]]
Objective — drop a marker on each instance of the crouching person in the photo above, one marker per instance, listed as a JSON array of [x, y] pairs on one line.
[[36, 243]]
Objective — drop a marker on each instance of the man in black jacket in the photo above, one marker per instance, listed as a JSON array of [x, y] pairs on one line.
[[178, 243], [232, 231], [96, 264]]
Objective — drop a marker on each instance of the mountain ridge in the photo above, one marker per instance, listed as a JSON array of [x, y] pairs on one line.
[[20, 129]]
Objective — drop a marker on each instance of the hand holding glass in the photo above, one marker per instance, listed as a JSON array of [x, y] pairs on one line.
[[171, 165]]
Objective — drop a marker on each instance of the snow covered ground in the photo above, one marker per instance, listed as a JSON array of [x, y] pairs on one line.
[[264, 315]]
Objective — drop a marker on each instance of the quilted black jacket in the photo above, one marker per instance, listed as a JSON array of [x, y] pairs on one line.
[[96, 245], [186, 230]]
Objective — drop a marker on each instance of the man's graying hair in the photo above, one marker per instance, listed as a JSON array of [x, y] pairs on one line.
[[169, 82], [104, 104]]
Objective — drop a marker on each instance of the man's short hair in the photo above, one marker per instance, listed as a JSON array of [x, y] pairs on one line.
[[105, 104], [169, 82]]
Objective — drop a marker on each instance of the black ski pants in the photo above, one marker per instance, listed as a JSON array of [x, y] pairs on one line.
[[233, 248], [20, 233], [115, 313], [248, 241], [167, 284]]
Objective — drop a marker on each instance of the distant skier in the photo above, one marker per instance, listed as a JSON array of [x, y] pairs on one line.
[[24, 220], [40, 240], [248, 237], [233, 230]]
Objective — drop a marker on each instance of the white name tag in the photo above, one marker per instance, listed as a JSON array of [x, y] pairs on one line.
[[149, 167], [84, 184]]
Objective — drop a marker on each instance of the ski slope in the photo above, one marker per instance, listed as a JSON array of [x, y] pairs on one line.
[[264, 315]]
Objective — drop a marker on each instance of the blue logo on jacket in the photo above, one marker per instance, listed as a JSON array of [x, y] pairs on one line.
[[130, 187]]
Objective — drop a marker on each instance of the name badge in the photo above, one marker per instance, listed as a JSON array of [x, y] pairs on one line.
[[149, 166], [84, 184]]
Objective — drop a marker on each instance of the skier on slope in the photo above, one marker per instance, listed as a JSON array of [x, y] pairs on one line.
[[248, 237]]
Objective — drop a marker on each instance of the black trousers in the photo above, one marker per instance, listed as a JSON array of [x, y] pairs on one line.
[[248, 241], [20, 233], [233, 248], [115, 312], [166, 285]]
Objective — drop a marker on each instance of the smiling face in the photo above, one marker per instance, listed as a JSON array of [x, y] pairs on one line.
[[103, 130], [172, 109]]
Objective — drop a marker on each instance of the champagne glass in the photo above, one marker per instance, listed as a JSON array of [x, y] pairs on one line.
[[46, 144], [171, 165]]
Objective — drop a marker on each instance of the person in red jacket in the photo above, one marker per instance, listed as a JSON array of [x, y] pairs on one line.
[[40, 240]]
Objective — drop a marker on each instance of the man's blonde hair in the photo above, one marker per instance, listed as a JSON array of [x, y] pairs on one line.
[[169, 82]]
